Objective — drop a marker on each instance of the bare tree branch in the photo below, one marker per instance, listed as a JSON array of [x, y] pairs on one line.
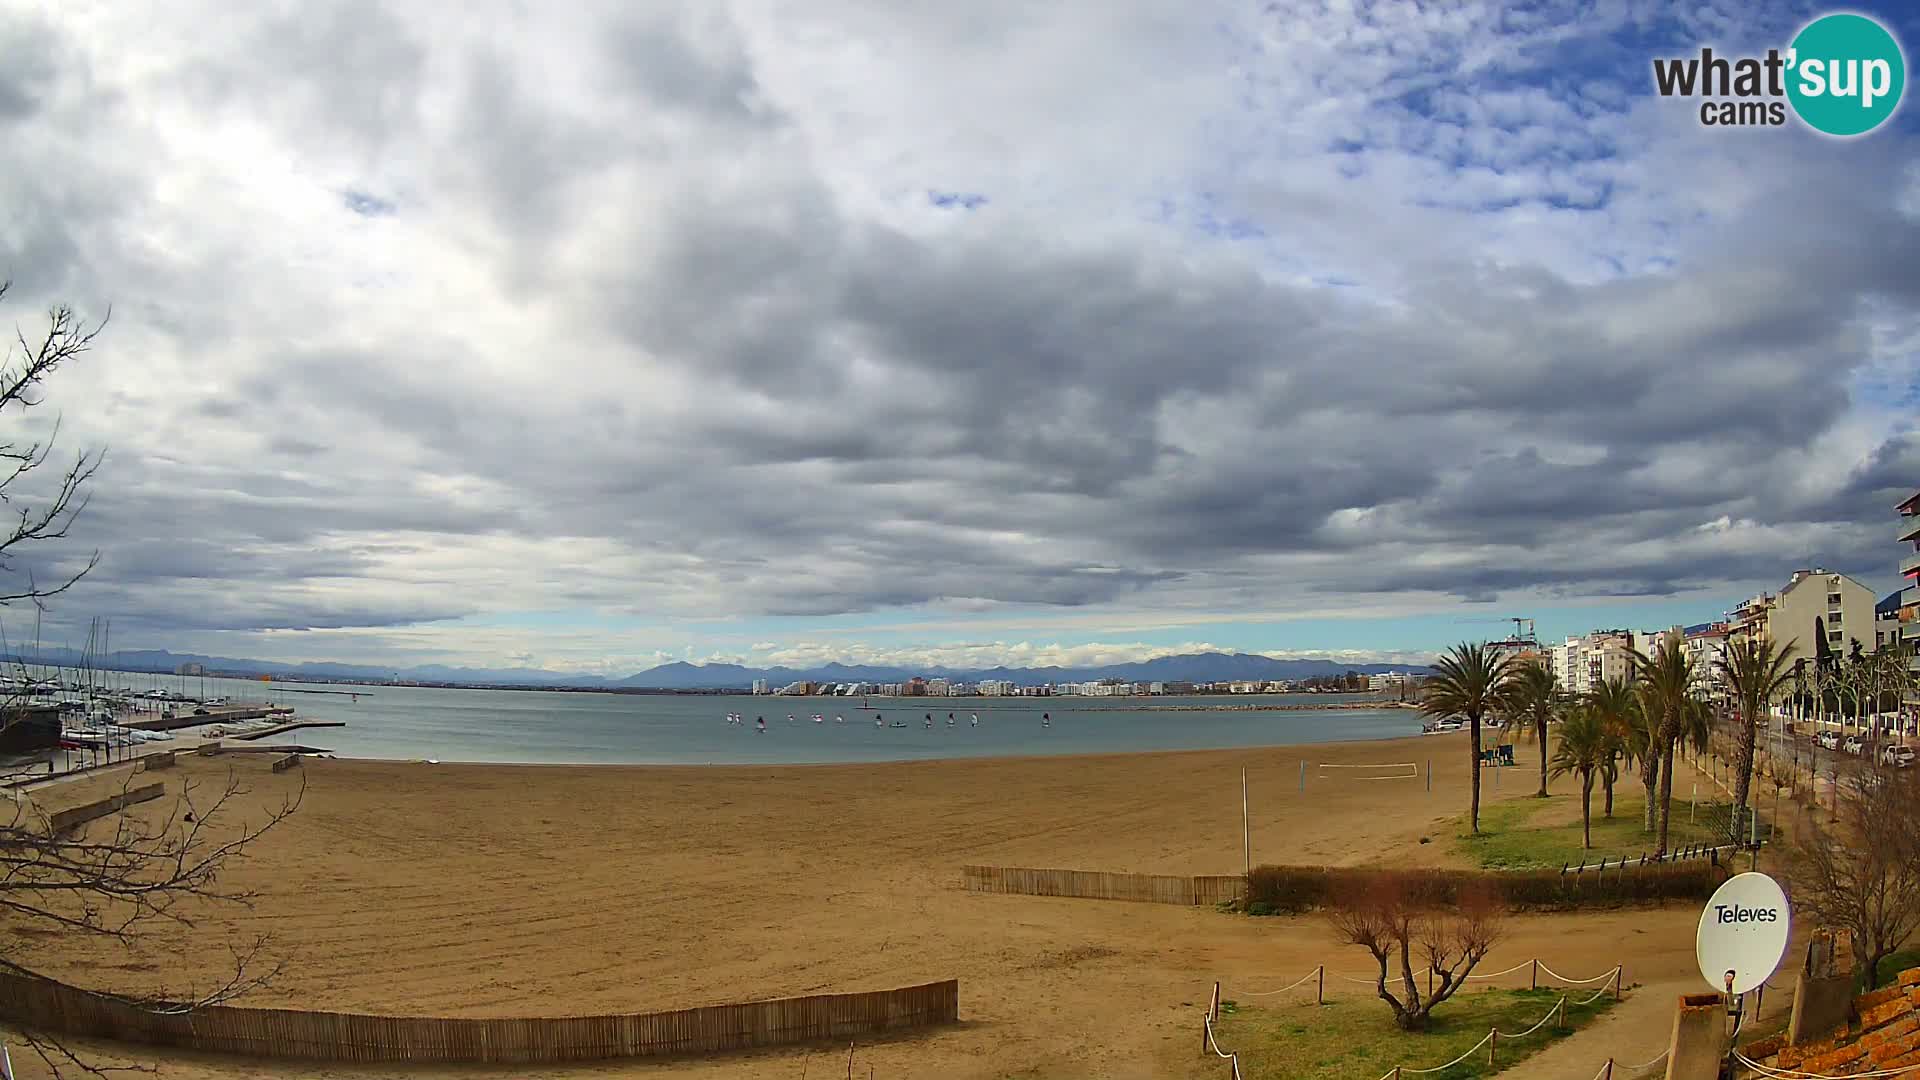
[[22, 371], [1860, 872], [1398, 914]]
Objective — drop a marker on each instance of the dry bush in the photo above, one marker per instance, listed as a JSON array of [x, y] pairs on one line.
[[1396, 915], [1860, 871]]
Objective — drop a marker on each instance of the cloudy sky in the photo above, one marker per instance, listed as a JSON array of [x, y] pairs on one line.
[[594, 335]]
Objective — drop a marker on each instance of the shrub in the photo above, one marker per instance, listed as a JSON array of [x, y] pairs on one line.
[[1294, 889]]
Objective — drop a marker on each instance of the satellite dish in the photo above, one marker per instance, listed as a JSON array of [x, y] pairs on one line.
[[1743, 933]]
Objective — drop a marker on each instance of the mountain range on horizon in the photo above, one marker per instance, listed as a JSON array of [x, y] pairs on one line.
[[682, 675]]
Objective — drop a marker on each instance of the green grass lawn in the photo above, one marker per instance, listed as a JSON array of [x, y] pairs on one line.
[[1511, 837], [1355, 1037]]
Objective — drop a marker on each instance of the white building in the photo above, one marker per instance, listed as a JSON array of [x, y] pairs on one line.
[[1707, 648], [759, 686], [1392, 681]]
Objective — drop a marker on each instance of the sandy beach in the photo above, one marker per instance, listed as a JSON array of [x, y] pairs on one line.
[[481, 890]]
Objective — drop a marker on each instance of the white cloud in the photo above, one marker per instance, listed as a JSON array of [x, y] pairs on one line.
[[662, 325]]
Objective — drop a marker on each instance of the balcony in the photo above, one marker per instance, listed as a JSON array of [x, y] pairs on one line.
[[1910, 565]]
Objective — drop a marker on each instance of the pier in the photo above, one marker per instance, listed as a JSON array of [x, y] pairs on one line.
[[211, 716]]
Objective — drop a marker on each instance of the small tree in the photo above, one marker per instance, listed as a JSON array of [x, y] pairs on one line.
[[1613, 703], [1584, 749], [1403, 920], [1534, 700], [1860, 872], [1754, 674]]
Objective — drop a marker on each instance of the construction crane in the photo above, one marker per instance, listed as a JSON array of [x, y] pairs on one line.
[[1522, 627]]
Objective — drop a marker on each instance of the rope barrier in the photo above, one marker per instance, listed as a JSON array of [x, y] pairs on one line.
[[1233, 1060], [1301, 981], [1578, 982], [1369, 980], [1470, 1050], [1538, 1024], [1559, 1009], [1650, 1064], [1509, 971]]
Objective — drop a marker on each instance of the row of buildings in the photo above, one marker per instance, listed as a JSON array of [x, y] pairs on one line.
[[1398, 682], [1816, 608]]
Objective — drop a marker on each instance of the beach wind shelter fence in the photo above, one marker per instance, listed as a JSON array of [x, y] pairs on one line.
[[47, 1005], [1192, 891]]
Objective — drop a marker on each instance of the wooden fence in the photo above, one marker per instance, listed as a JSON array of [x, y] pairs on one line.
[[1203, 891], [76, 816], [282, 1033]]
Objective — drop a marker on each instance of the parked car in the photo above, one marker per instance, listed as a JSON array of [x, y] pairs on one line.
[[1899, 757], [1854, 744], [1829, 739]]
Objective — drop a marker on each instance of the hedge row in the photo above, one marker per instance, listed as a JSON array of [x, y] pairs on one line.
[[1293, 889]]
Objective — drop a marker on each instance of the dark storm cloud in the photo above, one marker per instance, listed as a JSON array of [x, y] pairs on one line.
[[663, 329]]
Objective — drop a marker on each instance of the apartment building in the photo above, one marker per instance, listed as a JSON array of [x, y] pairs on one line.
[[1814, 604], [1909, 611], [1706, 646]]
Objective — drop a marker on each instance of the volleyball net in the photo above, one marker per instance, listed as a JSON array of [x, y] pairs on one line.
[[1377, 770]]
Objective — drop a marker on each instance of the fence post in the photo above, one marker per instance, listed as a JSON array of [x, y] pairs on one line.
[[1608, 1075], [1536, 976], [1320, 992], [1493, 1043], [1619, 972]]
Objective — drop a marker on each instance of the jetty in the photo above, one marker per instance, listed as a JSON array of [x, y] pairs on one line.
[[175, 721], [291, 725]]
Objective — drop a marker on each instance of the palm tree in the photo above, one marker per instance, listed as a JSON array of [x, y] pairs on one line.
[[1584, 746], [1533, 701], [1666, 680], [1643, 748], [1470, 681], [1755, 673], [1613, 703]]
